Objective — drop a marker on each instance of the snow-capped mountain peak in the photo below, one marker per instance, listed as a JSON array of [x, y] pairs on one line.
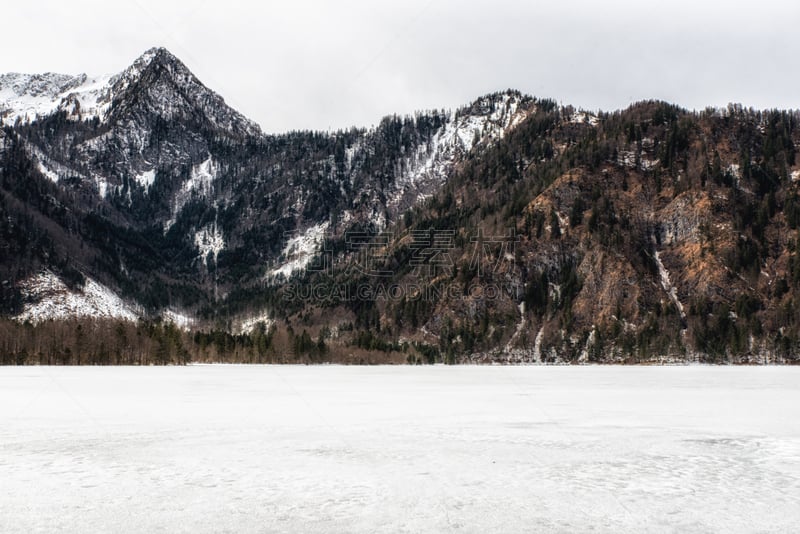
[[153, 115], [30, 96], [159, 84], [157, 81]]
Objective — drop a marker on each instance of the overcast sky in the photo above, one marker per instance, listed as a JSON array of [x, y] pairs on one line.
[[326, 64]]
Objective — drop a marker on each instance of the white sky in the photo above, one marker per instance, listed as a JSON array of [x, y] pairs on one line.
[[299, 64]]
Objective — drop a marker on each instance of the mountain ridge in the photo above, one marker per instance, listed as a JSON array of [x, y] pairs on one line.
[[512, 229], [151, 151]]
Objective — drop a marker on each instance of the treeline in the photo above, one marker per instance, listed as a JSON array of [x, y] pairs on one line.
[[114, 342], [111, 342]]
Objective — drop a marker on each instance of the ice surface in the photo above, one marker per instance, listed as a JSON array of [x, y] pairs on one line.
[[404, 449]]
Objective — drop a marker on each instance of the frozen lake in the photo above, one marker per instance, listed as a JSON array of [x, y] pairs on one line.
[[399, 449]]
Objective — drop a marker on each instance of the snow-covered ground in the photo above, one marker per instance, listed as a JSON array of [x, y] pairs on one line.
[[402, 449]]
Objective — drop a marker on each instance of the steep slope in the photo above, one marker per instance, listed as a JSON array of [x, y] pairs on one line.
[[649, 234], [177, 199], [52, 299], [116, 136], [156, 84]]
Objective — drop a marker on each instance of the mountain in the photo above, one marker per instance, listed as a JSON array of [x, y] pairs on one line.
[[159, 190], [512, 229], [156, 84]]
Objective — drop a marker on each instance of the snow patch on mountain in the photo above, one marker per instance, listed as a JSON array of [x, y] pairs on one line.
[[300, 250], [27, 96], [47, 172], [102, 186], [349, 155], [487, 120], [146, 179], [248, 324], [520, 327], [30, 96], [49, 298], [584, 117], [537, 346], [181, 320], [633, 160], [209, 240], [199, 185], [49, 168], [203, 176], [90, 100], [666, 284]]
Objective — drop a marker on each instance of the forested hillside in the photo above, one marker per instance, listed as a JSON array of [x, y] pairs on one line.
[[145, 221]]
